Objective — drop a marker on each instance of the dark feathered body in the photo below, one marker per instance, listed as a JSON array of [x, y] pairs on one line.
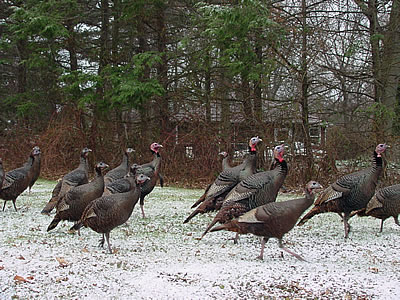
[[109, 211], [17, 180], [71, 206], [74, 178], [35, 172], [225, 166], [118, 186], [215, 194], [222, 185], [256, 190], [384, 204], [122, 185], [151, 170], [272, 220], [349, 193], [121, 170]]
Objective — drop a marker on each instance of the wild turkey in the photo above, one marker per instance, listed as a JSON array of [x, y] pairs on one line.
[[120, 171], [273, 220], [384, 204], [225, 160], [107, 212], [350, 192], [151, 170], [71, 206], [74, 178], [17, 180], [214, 195], [35, 169], [1, 173], [225, 166], [256, 190], [122, 185]]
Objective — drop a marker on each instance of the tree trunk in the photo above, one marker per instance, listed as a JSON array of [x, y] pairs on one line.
[[103, 62], [258, 109], [116, 12], [119, 125], [304, 94], [21, 69], [390, 66], [385, 48], [145, 125], [246, 100], [162, 71], [226, 128], [71, 46], [208, 89]]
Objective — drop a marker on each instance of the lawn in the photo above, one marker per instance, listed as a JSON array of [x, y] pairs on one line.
[[160, 258]]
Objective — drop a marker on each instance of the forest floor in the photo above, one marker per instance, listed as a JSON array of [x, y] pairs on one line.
[[160, 258]]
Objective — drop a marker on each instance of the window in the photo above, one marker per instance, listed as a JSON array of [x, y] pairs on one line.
[[189, 152]]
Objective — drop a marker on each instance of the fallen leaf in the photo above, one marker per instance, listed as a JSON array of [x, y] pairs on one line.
[[20, 279], [58, 280], [85, 250], [1, 268], [30, 278], [374, 270], [63, 263], [21, 257]]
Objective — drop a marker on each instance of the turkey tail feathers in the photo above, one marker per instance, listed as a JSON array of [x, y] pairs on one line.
[[77, 226], [218, 228], [54, 223], [193, 214], [209, 227], [309, 215], [49, 207]]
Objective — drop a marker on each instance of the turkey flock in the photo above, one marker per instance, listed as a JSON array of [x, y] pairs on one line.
[[243, 197]]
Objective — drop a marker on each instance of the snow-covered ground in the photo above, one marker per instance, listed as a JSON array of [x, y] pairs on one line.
[[160, 258]]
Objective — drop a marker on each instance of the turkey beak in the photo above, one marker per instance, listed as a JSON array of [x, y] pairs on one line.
[[319, 188]]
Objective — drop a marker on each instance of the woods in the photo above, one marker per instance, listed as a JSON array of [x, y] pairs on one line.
[[199, 77]]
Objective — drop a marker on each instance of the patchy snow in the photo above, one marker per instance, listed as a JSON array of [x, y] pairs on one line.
[[160, 258]]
